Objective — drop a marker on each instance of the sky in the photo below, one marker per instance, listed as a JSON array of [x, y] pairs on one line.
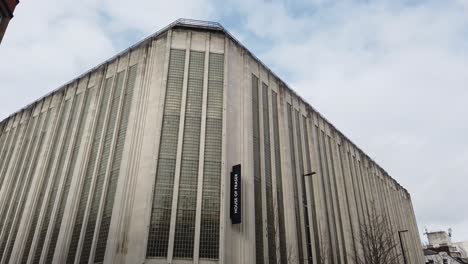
[[392, 75]]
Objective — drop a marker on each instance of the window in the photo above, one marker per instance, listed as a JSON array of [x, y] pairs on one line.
[[158, 238], [257, 172]]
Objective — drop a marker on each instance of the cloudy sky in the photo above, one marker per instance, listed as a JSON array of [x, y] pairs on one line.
[[391, 74]]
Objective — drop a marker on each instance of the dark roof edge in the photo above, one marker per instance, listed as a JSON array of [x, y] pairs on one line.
[[207, 25]]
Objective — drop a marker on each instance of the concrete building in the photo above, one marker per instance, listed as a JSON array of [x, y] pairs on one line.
[[440, 247], [434, 257], [7, 7], [185, 148]]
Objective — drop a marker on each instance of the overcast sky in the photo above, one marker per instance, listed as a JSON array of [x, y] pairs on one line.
[[390, 74]]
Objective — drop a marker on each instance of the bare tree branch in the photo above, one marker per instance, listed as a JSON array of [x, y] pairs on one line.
[[377, 240]]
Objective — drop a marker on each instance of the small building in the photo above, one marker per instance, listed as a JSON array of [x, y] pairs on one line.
[[441, 249]]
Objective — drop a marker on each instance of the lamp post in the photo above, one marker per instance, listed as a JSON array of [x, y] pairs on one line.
[[401, 244], [309, 174]]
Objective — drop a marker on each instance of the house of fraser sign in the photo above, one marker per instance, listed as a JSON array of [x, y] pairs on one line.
[[236, 210]]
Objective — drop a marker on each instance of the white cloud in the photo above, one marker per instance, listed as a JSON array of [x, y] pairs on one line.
[[391, 75], [50, 42], [393, 78], [149, 16]]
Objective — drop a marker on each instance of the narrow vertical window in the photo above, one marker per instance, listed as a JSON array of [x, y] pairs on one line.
[[186, 208], [339, 235], [5, 151], [102, 169], [257, 173], [158, 238], [279, 181], [297, 200], [115, 170], [41, 143], [304, 229], [62, 199], [10, 228], [5, 219], [304, 194], [211, 196], [90, 167], [312, 195], [38, 205], [328, 200], [8, 152], [49, 203], [268, 182], [34, 159]]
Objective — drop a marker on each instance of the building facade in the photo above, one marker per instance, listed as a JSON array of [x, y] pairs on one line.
[[7, 7], [185, 148]]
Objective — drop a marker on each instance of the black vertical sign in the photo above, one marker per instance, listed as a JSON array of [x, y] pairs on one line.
[[236, 212]]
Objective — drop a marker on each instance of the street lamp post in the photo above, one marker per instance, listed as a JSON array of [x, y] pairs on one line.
[[401, 244], [309, 174]]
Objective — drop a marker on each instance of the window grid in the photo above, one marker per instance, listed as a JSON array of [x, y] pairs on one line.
[[268, 181], [294, 180], [102, 106], [37, 208], [68, 177], [104, 161], [279, 181], [43, 118], [21, 181], [4, 151], [257, 173], [110, 196], [158, 237], [9, 191], [185, 219], [3, 138], [55, 180], [209, 229], [12, 141]]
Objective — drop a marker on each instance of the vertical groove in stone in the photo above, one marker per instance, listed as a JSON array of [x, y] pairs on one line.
[[304, 204], [257, 172], [297, 199], [334, 186], [326, 243], [268, 179], [279, 182], [312, 196], [340, 155]]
